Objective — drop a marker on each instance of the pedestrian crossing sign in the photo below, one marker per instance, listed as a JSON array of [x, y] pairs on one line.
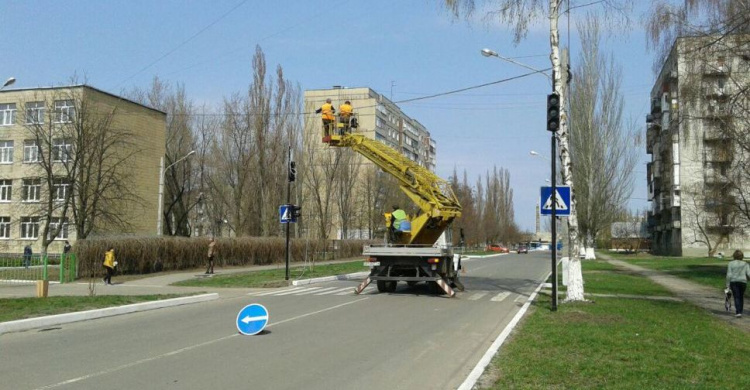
[[562, 201], [285, 213]]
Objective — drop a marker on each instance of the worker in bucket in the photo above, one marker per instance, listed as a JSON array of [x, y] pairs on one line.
[[326, 112], [345, 116]]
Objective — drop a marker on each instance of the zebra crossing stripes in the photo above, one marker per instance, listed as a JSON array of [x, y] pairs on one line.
[[500, 297], [477, 296], [304, 291]]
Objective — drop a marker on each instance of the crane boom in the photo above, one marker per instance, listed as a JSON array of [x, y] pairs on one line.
[[434, 196]]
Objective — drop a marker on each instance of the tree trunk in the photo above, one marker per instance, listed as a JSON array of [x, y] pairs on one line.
[[575, 276]]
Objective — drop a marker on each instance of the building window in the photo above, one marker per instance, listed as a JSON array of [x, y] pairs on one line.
[[32, 189], [62, 150], [7, 114], [35, 113], [31, 151], [6, 190], [65, 111], [30, 228], [4, 227], [54, 223], [60, 189], [6, 152]]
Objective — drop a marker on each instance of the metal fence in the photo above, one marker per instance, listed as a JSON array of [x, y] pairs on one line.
[[17, 268]]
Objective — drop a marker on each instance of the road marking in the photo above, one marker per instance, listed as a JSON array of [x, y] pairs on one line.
[[276, 292], [500, 297], [181, 350], [477, 296], [321, 291], [311, 290], [298, 292], [520, 298], [335, 291], [475, 373]]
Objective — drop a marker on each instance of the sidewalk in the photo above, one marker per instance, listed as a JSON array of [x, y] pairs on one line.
[[702, 296], [159, 283]]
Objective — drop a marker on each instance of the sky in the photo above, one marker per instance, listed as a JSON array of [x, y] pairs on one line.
[[402, 49]]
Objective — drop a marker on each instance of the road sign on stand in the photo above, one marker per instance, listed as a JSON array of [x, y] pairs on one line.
[[285, 213], [562, 201], [252, 319]]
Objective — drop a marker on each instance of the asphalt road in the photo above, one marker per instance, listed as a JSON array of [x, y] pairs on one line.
[[320, 336]]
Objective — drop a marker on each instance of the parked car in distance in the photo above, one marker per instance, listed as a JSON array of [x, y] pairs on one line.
[[497, 248], [523, 249]]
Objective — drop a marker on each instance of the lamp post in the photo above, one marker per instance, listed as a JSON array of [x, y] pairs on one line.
[[491, 53], [553, 155], [8, 82], [161, 188]]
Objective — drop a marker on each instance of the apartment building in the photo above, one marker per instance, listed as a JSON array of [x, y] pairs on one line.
[[41, 131], [691, 185], [379, 118]]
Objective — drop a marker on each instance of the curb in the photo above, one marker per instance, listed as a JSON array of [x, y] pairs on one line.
[[59, 319], [478, 370], [355, 275]]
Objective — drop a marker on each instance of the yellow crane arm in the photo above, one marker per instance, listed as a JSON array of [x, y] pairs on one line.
[[432, 194]]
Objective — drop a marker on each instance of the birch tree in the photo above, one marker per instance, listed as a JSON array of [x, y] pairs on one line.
[[518, 14]]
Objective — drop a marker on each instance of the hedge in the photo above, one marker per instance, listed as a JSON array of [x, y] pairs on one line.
[[143, 255]]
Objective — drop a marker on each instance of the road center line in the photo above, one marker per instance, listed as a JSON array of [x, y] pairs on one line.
[[181, 350]]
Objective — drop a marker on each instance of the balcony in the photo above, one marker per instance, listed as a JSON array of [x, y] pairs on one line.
[[718, 110], [716, 69]]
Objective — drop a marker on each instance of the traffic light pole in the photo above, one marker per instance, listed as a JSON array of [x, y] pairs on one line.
[[553, 180], [288, 201], [553, 111]]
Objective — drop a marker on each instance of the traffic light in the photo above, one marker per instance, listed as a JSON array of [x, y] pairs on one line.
[[296, 212], [292, 171], [553, 112]]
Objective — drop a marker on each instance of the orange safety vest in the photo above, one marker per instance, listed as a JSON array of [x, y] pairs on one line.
[[346, 110], [327, 111]]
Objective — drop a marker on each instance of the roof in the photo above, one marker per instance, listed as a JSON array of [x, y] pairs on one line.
[[83, 86]]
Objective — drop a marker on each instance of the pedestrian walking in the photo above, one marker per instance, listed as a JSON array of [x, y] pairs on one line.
[[109, 265], [66, 248], [738, 273], [211, 253], [27, 253]]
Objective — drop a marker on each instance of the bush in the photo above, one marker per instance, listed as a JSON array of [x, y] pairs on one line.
[[143, 255]]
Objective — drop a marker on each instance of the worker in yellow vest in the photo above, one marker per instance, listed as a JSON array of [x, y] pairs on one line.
[[345, 116], [326, 112]]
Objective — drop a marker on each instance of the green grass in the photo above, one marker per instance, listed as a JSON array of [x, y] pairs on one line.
[[604, 278], [707, 271], [623, 344], [20, 308], [274, 277]]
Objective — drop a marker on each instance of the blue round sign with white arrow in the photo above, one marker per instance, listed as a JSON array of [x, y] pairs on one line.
[[252, 319]]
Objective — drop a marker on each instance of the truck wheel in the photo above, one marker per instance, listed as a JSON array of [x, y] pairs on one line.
[[386, 285]]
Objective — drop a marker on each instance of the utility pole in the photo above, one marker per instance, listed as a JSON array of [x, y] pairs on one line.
[[290, 179]]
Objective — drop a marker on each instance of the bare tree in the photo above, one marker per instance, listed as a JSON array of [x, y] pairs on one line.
[[83, 162], [180, 195], [248, 157], [602, 149], [518, 14]]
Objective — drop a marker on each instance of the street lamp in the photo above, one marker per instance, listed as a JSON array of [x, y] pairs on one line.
[[8, 82], [161, 188], [491, 53], [535, 154]]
